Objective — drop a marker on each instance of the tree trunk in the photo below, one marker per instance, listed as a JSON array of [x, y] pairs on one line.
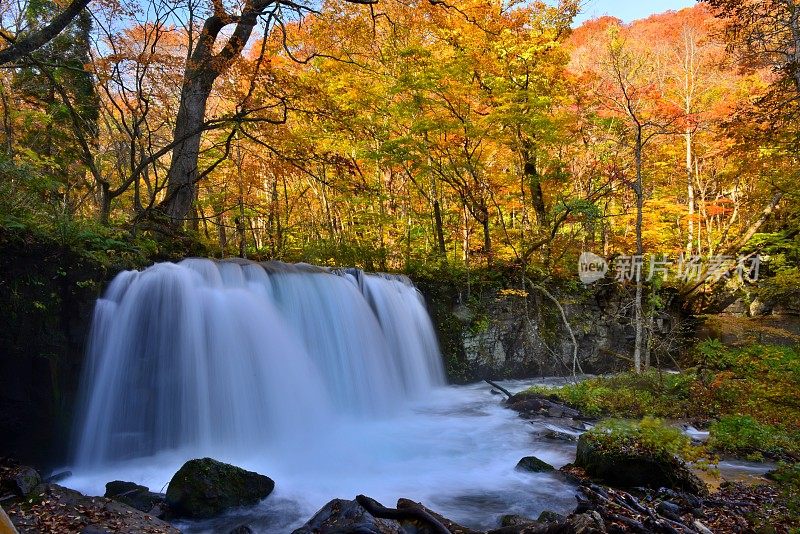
[[105, 203], [487, 236], [535, 184], [182, 174], [690, 195], [638, 308], [437, 216]]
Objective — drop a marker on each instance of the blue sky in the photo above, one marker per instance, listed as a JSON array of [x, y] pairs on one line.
[[629, 10]]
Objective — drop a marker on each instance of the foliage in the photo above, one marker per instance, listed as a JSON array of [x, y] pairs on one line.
[[751, 391], [630, 395], [649, 435], [787, 475], [742, 435]]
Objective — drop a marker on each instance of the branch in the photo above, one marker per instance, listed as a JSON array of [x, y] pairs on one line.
[[36, 40]]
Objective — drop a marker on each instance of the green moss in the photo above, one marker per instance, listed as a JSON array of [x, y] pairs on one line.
[[649, 435]]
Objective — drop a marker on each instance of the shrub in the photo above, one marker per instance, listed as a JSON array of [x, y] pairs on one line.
[[743, 435], [650, 435]]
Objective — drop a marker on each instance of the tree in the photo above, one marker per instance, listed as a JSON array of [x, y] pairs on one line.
[[43, 34]]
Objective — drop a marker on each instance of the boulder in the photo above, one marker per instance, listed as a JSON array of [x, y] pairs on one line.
[[64, 510], [203, 488], [531, 404], [136, 496], [534, 465], [367, 516], [628, 468], [513, 520], [548, 516], [340, 516], [21, 480]]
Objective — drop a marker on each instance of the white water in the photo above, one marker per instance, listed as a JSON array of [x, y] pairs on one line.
[[330, 383]]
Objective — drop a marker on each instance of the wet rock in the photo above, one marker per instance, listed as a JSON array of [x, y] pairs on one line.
[[559, 434], [340, 516], [204, 487], [534, 465], [513, 520], [531, 404], [241, 529], [137, 496], [626, 468], [58, 477], [548, 516]]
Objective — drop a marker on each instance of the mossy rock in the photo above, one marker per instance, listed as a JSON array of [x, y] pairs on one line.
[[623, 467], [533, 464], [204, 488]]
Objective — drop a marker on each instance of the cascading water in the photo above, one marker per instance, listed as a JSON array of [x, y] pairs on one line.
[[330, 382], [211, 356]]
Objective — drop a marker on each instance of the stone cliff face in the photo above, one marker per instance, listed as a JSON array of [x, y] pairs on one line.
[[509, 333], [46, 295]]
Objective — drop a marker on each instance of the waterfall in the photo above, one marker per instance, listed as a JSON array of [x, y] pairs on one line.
[[206, 356]]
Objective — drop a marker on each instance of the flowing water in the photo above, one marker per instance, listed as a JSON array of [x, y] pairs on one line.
[[330, 382]]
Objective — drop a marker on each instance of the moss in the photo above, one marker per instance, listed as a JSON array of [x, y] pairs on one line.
[[639, 453]]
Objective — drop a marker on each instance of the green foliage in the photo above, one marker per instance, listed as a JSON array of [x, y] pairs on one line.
[[787, 476], [649, 435], [743, 435], [751, 392], [630, 395]]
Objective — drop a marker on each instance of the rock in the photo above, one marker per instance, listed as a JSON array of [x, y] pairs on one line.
[[559, 435], [241, 529], [137, 496], [513, 520], [64, 510], [534, 465], [586, 523], [548, 516], [58, 477], [669, 510], [627, 469], [342, 516], [21, 480], [530, 404], [203, 488]]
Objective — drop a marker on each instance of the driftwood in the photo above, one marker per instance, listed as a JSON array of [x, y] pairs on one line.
[[500, 388], [414, 513]]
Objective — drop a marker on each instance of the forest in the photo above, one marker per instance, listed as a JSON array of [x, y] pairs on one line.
[[609, 201]]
